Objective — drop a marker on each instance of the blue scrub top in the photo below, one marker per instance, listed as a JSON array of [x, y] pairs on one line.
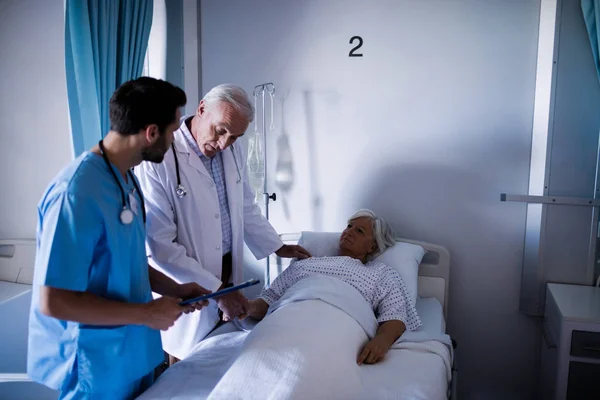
[[83, 246]]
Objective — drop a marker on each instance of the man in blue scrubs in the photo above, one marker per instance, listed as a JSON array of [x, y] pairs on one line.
[[94, 327]]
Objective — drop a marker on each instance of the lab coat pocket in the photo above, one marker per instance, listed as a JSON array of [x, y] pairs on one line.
[[100, 357]]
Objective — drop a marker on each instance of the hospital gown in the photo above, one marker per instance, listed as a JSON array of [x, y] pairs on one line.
[[381, 286]]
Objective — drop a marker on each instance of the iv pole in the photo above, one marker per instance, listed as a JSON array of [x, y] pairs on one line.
[[259, 90]]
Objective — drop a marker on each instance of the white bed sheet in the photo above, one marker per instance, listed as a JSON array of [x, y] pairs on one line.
[[411, 373]]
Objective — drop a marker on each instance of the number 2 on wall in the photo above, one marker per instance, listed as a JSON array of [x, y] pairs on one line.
[[360, 43]]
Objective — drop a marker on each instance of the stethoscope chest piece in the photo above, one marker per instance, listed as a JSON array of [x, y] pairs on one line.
[[180, 191], [126, 216]]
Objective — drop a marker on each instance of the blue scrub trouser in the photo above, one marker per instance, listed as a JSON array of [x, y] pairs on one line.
[[126, 392]]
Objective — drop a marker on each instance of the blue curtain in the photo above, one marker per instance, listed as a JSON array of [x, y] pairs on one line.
[[105, 46], [591, 16]]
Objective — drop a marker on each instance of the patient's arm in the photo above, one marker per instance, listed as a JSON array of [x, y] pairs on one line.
[[292, 274], [390, 331], [376, 348], [258, 308], [285, 280]]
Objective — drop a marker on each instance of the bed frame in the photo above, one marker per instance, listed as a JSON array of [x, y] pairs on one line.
[[17, 259]]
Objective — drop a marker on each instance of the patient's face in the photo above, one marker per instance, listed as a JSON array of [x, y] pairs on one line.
[[357, 239]]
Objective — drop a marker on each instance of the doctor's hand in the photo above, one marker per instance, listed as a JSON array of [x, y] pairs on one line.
[[292, 251], [162, 313], [234, 305], [191, 290]]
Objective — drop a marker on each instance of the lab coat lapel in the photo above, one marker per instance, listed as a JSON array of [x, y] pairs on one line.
[[191, 157], [232, 185], [231, 177], [236, 210]]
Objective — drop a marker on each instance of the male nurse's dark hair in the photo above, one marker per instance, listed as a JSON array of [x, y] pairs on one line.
[[142, 102]]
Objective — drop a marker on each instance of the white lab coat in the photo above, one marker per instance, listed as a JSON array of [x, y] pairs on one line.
[[184, 235]]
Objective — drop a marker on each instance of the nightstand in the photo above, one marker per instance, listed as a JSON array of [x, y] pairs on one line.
[[570, 354]]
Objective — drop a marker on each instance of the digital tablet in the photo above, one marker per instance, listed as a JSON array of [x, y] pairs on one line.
[[218, 293]]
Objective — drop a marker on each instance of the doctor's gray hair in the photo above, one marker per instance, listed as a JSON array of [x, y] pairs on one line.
[[234, 96], [382, 233]]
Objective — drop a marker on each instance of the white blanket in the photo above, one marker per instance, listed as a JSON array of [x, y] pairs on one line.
[[306, 348]]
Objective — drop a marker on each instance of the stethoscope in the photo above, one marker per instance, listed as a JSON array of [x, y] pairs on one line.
[[180, 191], [126, 215]]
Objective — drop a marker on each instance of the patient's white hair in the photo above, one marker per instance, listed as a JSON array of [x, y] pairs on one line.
[[233, 95], [384, 236]]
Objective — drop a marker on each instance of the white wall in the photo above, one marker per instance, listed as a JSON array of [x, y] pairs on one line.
[[191, 63], [34, 127], [427, 129]]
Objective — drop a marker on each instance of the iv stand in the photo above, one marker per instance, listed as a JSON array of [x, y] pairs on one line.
[[259, 90]]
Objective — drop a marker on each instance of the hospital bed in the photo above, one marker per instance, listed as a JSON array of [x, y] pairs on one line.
[[413, 370], [16, 276]]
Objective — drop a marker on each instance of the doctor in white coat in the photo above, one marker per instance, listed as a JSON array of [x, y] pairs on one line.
[[201, 210]]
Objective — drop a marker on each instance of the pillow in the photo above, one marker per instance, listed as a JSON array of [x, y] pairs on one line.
[[321, 244], [403, 257]]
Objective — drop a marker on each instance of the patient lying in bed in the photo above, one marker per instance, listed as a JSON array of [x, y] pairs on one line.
[[365, 237], [319, 319]]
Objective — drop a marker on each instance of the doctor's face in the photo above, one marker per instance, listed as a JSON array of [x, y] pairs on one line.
[[218, 127], [156, 151]]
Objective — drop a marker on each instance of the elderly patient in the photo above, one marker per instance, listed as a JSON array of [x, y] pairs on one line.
[[365, 237]]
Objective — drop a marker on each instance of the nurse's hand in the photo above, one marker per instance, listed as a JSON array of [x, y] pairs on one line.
[[191, 290], [162, 313], [234, 305]]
